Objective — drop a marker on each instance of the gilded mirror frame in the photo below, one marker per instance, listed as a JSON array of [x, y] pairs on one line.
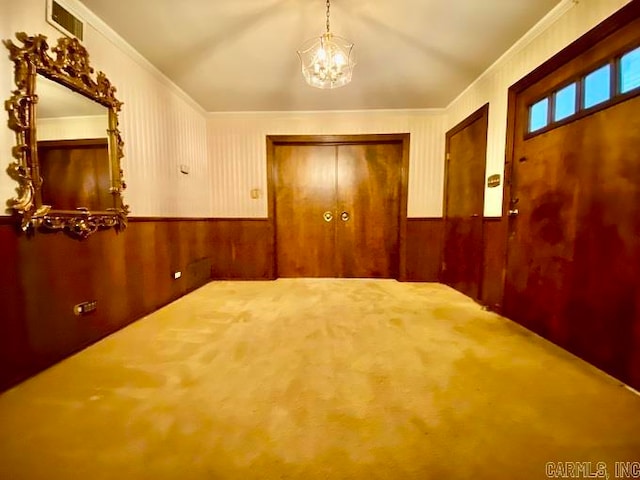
[[70, 68]]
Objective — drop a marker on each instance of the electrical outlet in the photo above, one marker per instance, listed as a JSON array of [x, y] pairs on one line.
[[85, 307], [177, 275]]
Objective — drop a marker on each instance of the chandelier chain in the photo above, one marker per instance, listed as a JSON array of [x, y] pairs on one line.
[[328, 8]]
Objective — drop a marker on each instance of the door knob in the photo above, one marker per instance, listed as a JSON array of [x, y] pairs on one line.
[[513, 212], [328, 216], [345, 216]]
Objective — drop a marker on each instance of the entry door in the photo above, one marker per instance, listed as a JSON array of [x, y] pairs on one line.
[[464, 204], [573, 249], [337, 210], [574, 246]]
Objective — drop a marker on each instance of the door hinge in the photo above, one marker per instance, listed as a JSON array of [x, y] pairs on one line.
[[448, 156]]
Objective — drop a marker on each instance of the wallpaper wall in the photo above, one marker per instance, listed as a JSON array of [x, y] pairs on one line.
[[236, 141], [237, 152], [161, 127]]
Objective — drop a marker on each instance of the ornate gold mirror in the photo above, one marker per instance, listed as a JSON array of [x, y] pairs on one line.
[[68, 147]]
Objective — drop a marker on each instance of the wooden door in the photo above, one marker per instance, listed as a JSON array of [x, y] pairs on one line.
[[573, 249], [305, 191], [368, 199], [572, 271], [464, 204], [76, 173], [359, 187]]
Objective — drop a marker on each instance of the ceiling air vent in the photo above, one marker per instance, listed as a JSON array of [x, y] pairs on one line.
[[61, 18]]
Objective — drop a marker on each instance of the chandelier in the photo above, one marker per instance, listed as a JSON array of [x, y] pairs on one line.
[[327, 61]]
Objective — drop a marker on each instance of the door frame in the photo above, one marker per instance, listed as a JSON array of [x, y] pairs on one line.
[[403, 138], [481, 114]]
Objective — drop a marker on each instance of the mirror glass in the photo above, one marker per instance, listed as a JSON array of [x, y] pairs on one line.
[[68, 151], [73, 148]]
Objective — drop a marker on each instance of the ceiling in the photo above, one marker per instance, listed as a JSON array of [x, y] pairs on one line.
[[240, 55]]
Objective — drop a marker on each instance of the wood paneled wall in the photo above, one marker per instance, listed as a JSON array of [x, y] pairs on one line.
[[13, 331], [423, 246], [243, 249], [493, 262], [130, 274]]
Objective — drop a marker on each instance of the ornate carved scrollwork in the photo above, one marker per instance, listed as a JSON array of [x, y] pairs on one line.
[[69, 67]]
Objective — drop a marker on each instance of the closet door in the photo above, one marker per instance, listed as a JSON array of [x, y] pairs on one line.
[[337, 209], [464, 204], [368, 198], [305, 210]]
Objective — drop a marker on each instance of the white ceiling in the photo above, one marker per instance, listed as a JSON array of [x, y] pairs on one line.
[[240, 55]]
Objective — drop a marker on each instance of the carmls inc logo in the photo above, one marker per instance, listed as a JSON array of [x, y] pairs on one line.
[[591, 470]]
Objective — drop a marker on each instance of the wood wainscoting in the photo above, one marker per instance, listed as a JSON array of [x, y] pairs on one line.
[[424, 249], [129, 274], [242, 249], [493, 262], [423, 245]]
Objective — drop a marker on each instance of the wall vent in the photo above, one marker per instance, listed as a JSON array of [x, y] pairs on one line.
[[65, 21]]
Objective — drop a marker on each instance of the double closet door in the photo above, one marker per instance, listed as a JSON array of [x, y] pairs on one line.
[[337, 209]]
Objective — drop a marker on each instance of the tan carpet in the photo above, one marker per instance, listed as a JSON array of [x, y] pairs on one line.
[[317, 379]]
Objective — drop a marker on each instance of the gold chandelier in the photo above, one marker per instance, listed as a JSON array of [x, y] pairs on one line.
[[327, 61]]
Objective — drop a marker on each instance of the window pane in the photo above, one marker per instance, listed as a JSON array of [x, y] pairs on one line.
[[565, 102], [597, 86], [630, 71], [538, 115]]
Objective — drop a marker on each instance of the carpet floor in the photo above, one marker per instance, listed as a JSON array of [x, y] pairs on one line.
[[318, 379]]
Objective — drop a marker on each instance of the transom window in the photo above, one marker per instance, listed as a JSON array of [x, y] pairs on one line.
[[609, 83], [630, 71], [565, 102], [597, 87]]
